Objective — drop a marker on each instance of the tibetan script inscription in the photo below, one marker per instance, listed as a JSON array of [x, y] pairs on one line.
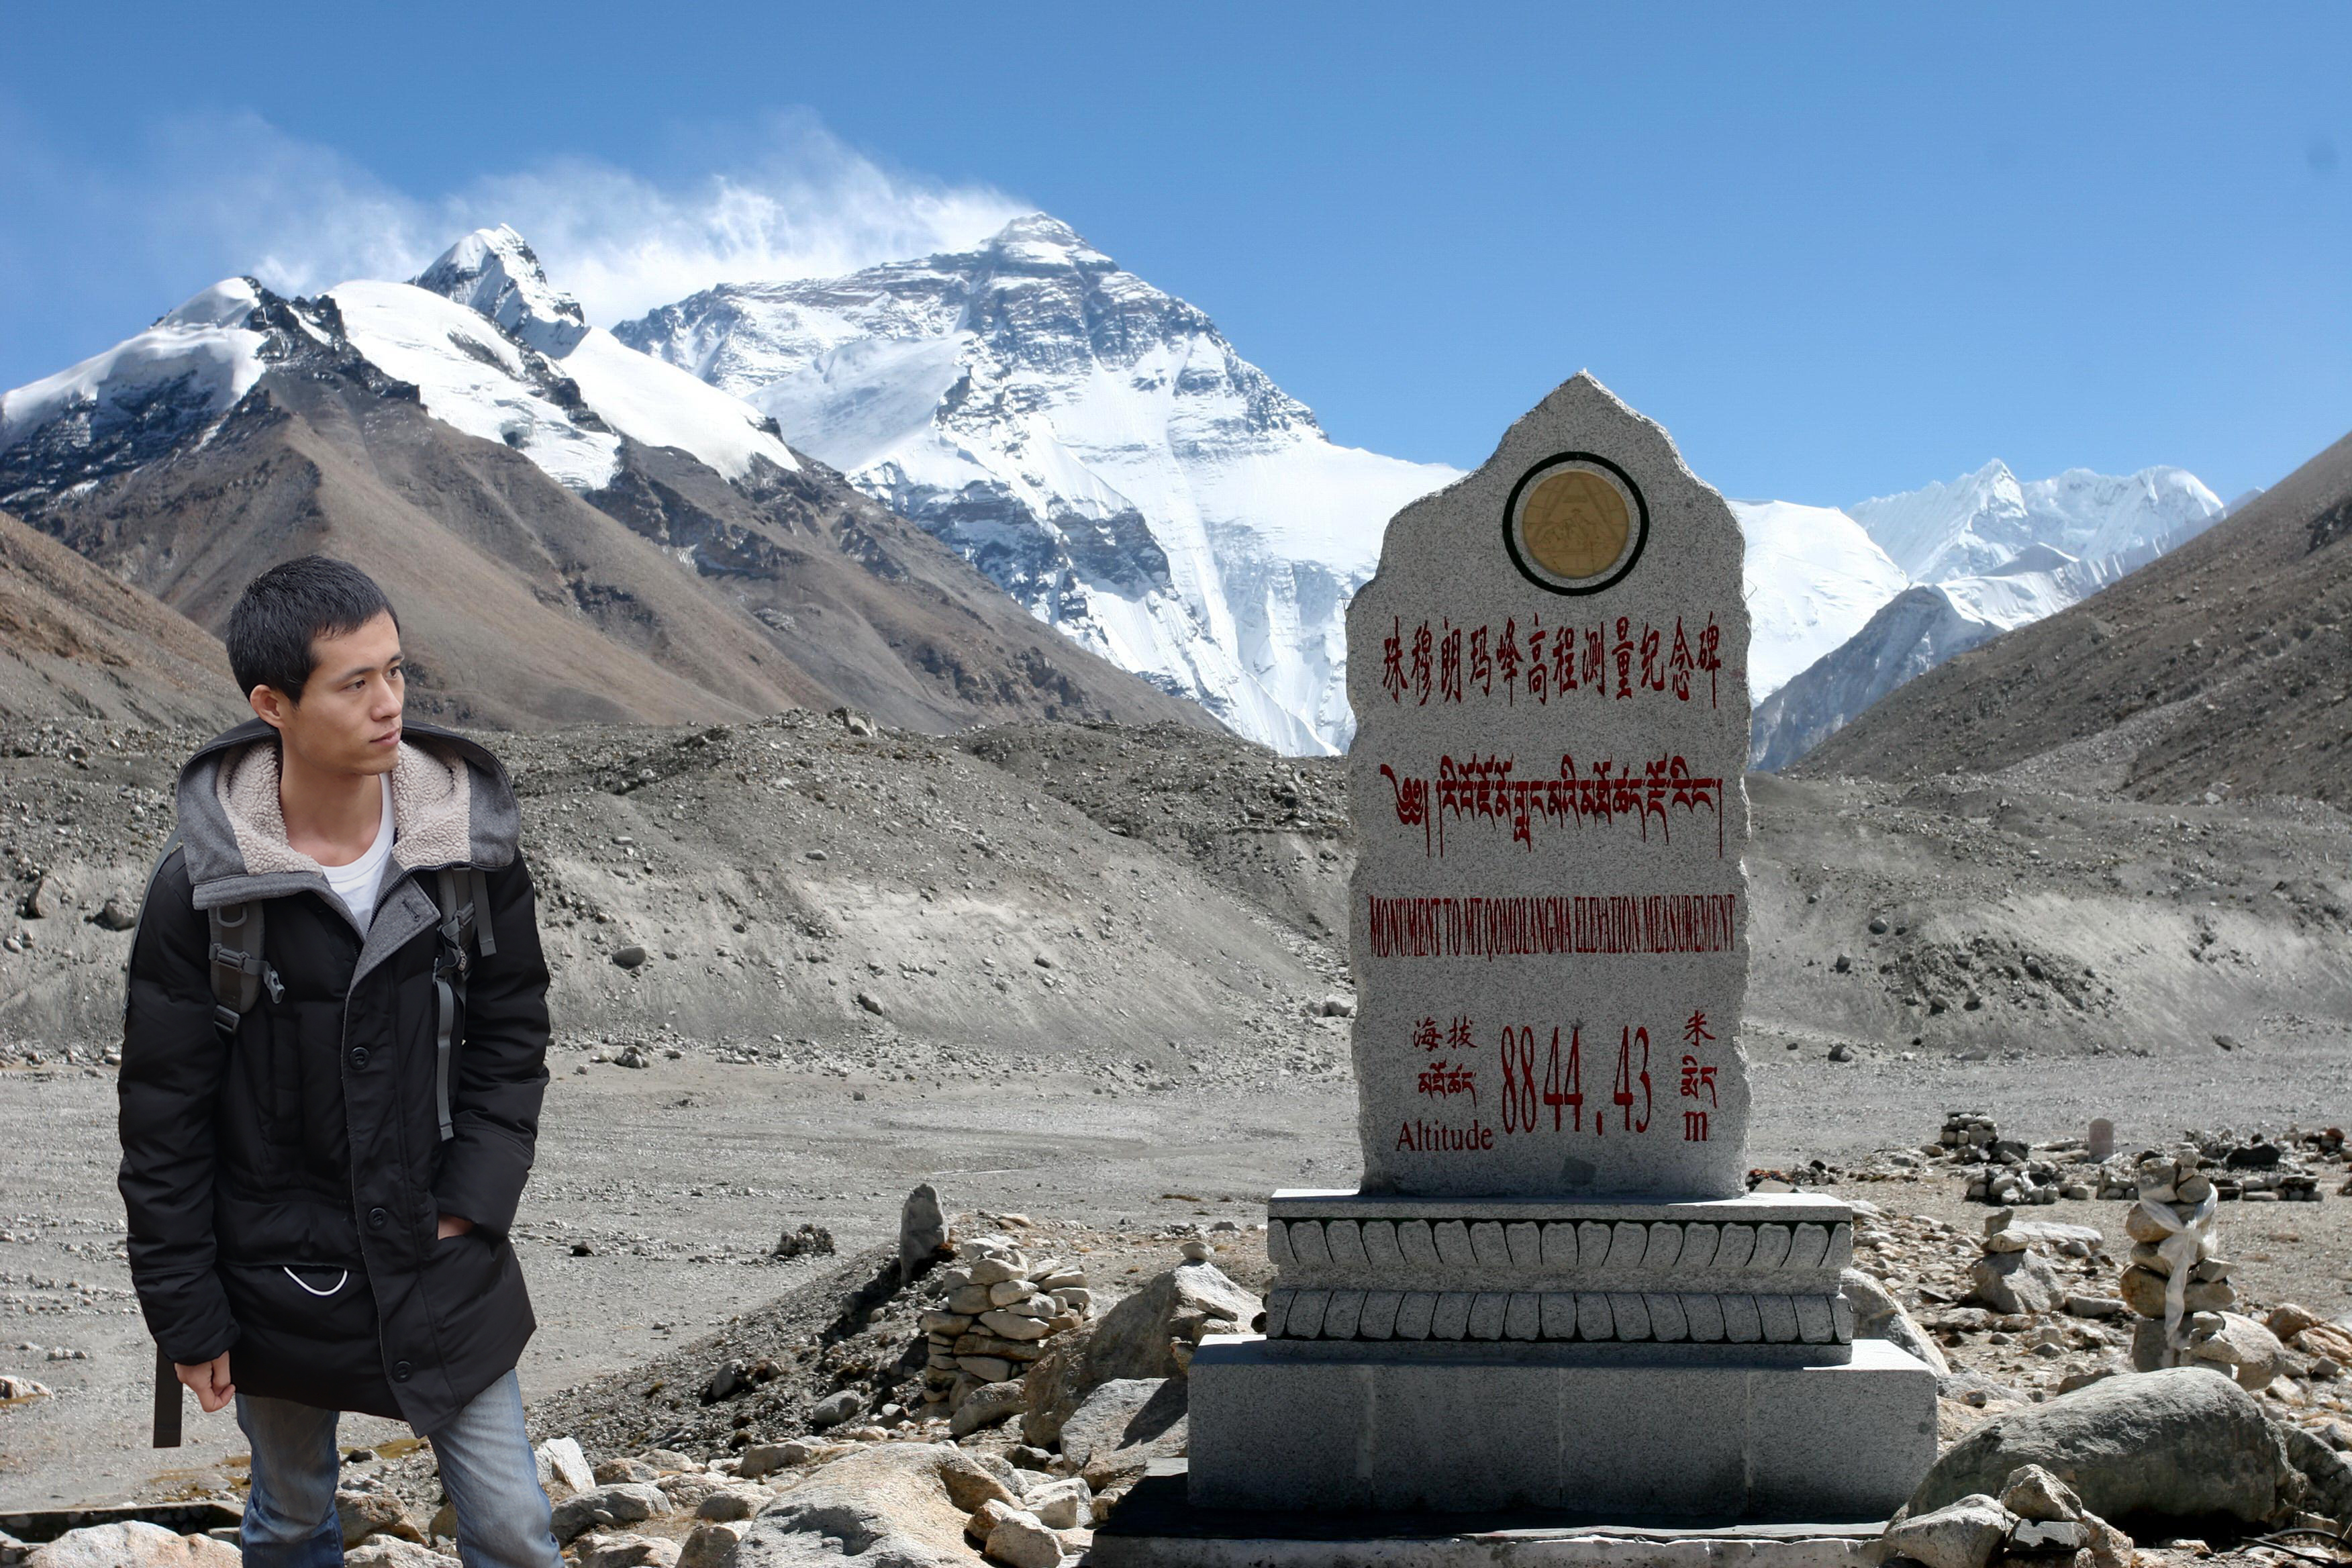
[[1548, 921]]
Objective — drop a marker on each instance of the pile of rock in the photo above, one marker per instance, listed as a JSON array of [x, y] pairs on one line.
[[926, 1502], [1003, 1311], [2260, 1170], [2253, 1168], [2171, 1225], [2015, 1275], [2004, 1171], [2036, 1517], [1968, 1130]]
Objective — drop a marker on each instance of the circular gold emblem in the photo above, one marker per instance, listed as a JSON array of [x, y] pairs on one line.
[[1575, 523]]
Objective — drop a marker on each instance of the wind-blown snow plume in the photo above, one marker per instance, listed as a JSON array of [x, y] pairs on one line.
[[236, 195]]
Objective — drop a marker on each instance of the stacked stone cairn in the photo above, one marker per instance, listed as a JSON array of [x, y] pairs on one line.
[[1003, 1311], [2256, 1169], [2004, 1172], [2172, 1226]]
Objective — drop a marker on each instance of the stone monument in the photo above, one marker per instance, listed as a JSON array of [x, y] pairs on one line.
[[1552, 1289]]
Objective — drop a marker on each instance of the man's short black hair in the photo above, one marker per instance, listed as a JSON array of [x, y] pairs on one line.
[[287, 608]]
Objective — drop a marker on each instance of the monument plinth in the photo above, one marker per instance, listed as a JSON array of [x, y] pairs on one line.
[[1553, 1289]]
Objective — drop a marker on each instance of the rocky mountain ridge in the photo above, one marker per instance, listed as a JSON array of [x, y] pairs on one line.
[[2222, 668], [73, 641], [572, 535], [1988, 555]]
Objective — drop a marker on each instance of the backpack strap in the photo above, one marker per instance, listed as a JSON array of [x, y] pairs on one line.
[[167, 1402], [238, 972], [233, 957]]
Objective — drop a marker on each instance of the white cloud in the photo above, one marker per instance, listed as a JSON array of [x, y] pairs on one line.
[[799, 203]]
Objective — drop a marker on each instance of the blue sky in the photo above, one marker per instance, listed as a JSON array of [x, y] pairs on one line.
[[1837, 250]]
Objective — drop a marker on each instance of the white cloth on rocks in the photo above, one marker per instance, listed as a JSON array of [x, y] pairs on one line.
[[2179, 1249]]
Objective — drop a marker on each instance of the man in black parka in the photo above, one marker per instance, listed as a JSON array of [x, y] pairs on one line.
[[313, 1198]]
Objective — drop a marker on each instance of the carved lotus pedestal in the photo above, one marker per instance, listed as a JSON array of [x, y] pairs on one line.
[[1634, 1361]]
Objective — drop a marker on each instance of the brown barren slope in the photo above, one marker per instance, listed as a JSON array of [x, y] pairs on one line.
[[526, 605], [2223, 667], [75, 643]]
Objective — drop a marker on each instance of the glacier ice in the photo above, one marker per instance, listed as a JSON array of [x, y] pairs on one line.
[[1091, 443]]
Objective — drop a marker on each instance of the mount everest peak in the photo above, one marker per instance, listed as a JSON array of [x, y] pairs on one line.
[[1092, 443]]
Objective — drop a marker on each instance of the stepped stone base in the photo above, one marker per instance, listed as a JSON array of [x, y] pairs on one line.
[[1156, 1526], [1607, 1431]]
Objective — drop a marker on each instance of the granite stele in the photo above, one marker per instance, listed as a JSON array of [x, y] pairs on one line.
[[1553, 1289]]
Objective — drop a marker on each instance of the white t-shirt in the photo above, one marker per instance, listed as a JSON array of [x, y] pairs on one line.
[[355, 884]]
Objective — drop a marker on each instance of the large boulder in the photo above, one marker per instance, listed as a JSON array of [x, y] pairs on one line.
[[1877, 1315], [887, 1507], [2018, 1282], [713, 1545], [1136, 1339], [563, 1469], [2242, 1351], [390, 1551], [2328, 1472], [2004, 1232], [626, 1550], [1124, 1425], [986, 1406], [1066, 1504], [135, 1545], [1022, 1540], [2181, 1442], [603, 1507], [1056, 1385], [922, 1231], [362, 1514], [1963, 1533]]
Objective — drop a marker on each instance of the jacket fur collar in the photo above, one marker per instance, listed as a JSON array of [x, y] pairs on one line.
[[452, 804]]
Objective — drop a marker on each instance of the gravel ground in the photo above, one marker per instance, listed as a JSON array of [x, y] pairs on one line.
[[1182, 891], [680, 1204]]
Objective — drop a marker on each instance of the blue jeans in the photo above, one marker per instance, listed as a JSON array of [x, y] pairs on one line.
[[486, 1468]]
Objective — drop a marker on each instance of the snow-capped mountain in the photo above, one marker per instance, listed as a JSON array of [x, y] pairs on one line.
[[497, 351], [1093, 444], [576, 530], [1977, 522], [121, 408], [1983, 554], [1919, 629], [490, 346], [1813, 579]]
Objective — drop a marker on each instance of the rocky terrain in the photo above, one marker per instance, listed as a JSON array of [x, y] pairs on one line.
[[1091, 975], [74, 640], [749, 1443]]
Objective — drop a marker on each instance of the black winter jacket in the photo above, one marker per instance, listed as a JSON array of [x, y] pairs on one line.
[[284, 1190]]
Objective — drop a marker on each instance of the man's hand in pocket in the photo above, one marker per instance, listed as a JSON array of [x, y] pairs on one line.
[[451, 1225]]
